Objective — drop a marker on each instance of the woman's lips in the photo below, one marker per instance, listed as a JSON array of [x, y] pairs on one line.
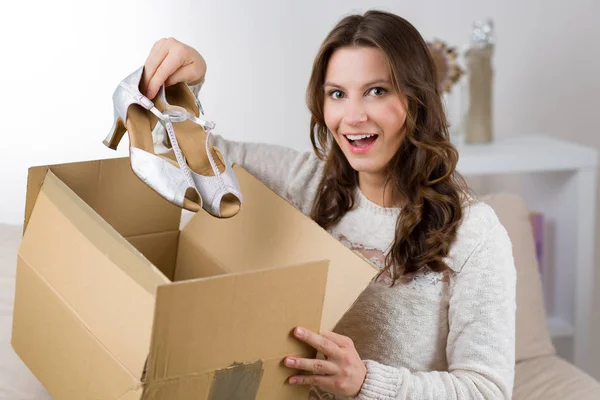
[[360, 149]]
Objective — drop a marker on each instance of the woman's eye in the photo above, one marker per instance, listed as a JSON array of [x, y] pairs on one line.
[[377, 91], [336, 94]]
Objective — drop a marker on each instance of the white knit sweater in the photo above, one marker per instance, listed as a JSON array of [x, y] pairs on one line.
[[434, 335]]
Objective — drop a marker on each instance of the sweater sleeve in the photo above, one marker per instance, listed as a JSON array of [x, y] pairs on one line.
[[292, 174], [481, 339]]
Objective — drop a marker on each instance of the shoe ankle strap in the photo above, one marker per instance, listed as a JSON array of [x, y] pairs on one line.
[[179, 114]]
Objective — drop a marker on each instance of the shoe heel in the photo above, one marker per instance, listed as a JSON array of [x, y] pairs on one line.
[[116, 133]]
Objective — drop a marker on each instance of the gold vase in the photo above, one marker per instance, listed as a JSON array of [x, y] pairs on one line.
[[479, 115]]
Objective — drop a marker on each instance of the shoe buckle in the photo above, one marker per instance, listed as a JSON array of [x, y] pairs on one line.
[[175, 114], [145, 102]]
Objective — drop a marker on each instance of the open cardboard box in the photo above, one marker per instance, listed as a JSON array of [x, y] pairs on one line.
[[115, 301]]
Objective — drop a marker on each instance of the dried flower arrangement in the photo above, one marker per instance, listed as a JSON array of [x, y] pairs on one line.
[[447, 67]]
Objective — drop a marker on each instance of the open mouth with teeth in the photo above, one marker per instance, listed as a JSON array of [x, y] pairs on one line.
[[361, 142]]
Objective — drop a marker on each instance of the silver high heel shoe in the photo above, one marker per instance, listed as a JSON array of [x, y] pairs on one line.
[[176, 182], [213, 175]]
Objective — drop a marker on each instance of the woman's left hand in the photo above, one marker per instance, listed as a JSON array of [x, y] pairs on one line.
[[342, 372]]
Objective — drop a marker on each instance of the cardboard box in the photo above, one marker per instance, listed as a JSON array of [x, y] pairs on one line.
[[114, 301]]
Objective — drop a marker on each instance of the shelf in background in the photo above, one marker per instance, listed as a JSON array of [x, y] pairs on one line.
[[524, 154]]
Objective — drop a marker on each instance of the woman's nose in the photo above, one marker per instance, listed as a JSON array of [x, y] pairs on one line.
[[354, 113]]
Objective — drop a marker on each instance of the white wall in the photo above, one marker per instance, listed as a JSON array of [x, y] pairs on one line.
[[61, 60]]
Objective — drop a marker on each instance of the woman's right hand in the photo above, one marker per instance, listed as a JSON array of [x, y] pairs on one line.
[[171, 62]]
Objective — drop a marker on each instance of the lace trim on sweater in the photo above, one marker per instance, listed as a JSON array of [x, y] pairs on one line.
[[419, 281]]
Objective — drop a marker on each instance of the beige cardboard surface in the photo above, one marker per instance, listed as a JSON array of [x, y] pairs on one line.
[[269, 231], [273, 386], [194, 261], [114, 192], [108, 283], [160, 249], [195, 387], [133, 395], [54, 343], [207, 324]]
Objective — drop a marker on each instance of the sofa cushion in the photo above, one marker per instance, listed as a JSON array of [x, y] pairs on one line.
[[532, 337], [552, 378]]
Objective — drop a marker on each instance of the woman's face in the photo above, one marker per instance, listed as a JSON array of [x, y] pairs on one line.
[[362, 110]]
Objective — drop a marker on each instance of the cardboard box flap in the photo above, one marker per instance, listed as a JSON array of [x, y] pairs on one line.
[[132, 394], [58, 348], [245, 242], [160, 249], [208, 324], [110, 188], [102, 277]]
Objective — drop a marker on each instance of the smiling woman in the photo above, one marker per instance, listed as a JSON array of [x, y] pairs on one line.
[[438, 321], [374, 75], [362, 110]]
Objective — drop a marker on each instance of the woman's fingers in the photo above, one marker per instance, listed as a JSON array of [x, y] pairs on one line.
[[316, 366], [171, 62], [323, 345], [157, 54], [167, 67], [185, 73], [340, 340]]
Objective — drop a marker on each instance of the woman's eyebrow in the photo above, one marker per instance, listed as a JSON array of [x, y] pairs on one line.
[[376, 81]]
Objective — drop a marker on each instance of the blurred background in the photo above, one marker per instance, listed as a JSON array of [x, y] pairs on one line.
[[61, 61]]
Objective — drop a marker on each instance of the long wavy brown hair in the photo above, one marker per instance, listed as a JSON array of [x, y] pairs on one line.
[[422, 174]]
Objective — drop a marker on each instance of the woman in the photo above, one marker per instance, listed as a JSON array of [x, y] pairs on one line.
[[438, 321]]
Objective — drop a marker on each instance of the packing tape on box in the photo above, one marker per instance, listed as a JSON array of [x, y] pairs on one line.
[[239, 381]]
